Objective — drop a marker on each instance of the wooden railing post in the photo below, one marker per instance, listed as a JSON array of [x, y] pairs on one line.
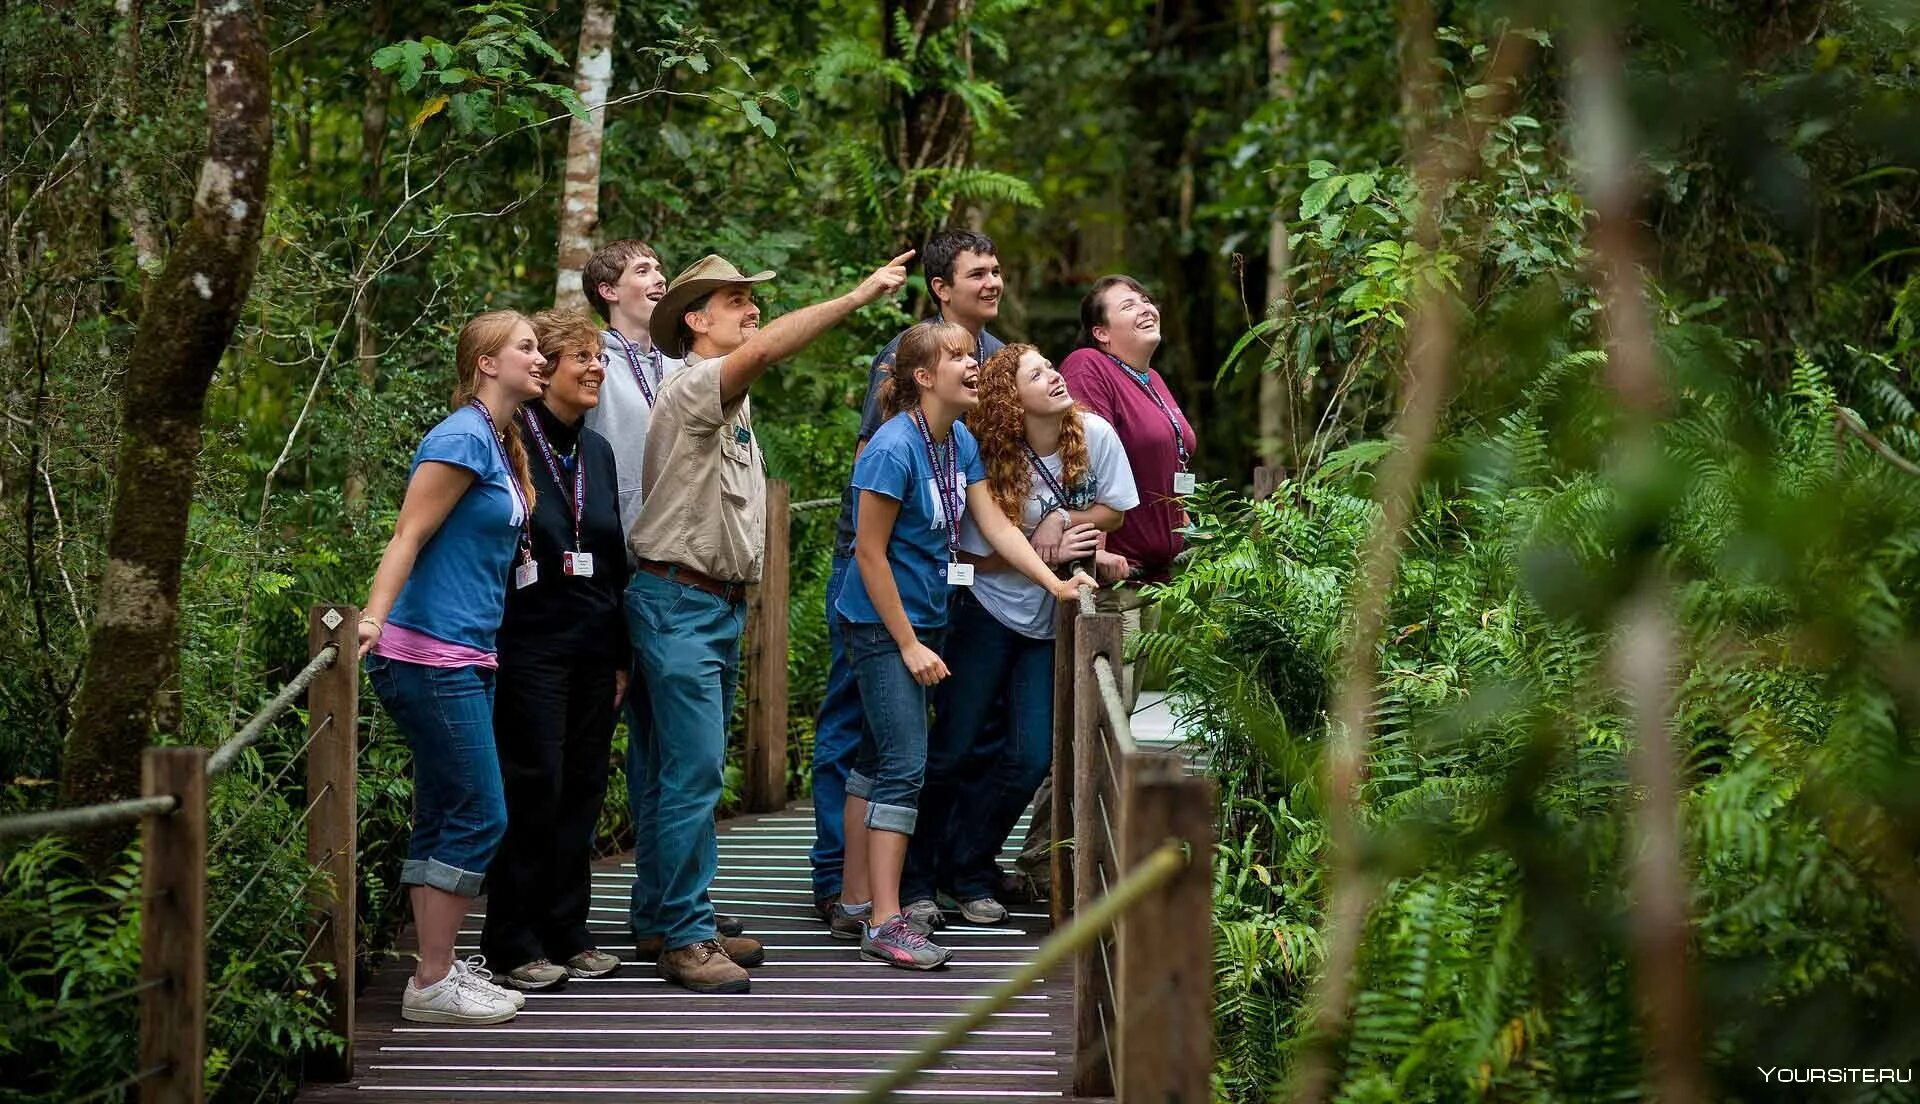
[[1165, 1032], [173, 926], [1099, 634], [1265, 481], [333, 720], [1060, 899], [766, 742]]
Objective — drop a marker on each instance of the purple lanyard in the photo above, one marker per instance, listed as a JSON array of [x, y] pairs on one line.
[[1059, 492], [1145, 383], [633, 362], [944, 478], [513, 485], [553, 468]]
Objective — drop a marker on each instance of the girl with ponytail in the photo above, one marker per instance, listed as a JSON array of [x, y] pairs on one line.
[[918, 479], [428, 641]]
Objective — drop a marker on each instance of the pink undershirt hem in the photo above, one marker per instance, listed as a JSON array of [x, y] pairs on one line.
[[411, 646]]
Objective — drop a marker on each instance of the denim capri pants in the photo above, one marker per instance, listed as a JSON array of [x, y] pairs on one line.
[[459, 807], [891, 763]]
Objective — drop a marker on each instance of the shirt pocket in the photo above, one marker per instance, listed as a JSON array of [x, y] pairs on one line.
[[736, 463]]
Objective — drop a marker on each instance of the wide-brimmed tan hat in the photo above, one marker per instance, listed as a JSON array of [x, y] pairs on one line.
[[702, 276]]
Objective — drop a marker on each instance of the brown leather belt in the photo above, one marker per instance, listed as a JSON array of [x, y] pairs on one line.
[[734, 593]]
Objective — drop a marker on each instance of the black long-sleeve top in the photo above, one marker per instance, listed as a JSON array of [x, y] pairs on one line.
[[561, 616]]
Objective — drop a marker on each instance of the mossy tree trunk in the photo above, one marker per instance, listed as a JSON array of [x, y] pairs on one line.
[[191, 307]]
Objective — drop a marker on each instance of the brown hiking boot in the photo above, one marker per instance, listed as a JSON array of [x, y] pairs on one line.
[[704, 967], [746, 952]]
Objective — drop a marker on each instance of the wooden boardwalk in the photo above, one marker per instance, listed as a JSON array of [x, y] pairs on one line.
[[817, 1025]]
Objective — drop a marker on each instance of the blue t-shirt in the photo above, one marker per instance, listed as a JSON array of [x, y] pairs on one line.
[[895, 464], [871, 418], [458, 589]]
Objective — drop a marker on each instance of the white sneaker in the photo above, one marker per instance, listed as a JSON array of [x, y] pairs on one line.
[[474, 973], [454, 1000]]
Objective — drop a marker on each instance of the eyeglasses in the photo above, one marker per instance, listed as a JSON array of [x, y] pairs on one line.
[[583, 358]]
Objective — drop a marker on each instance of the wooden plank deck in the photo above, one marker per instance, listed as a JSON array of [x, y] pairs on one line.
[[819, 1023]]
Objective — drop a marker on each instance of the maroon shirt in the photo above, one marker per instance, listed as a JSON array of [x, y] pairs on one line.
[[1148, 536]]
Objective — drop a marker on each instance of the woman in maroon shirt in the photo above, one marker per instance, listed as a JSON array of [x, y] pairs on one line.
[[1112, 375]]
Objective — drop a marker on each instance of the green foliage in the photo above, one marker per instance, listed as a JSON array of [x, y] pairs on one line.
[[482, 77]]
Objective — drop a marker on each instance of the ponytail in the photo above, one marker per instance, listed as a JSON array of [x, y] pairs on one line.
[[485, 335]]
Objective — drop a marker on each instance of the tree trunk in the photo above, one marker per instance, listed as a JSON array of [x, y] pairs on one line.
[[580, 200], [1278, 448], [192, 305], [131, 193], [373, 144], [932, 127]]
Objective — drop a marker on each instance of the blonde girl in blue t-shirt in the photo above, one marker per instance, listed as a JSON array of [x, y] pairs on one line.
[[917, 478], [428, 642]]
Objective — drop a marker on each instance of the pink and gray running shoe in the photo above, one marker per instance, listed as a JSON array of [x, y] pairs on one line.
[[897, 944]]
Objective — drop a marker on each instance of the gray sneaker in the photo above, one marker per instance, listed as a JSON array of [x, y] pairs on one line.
[[592, 963], [898, 944], [531, 977], [924, 916], [983, 910], [842, 924]]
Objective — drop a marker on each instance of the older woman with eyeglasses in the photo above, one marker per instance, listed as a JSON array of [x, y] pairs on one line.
[[563, 669]]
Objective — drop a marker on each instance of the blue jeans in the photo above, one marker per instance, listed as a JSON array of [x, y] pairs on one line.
[[836, 737], [643, 786], [892, 759], [459, 806], [688, 646], [998, 670]]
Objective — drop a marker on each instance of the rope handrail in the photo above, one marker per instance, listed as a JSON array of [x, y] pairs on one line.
[[224, 756], [814, 504], [1117, 719], [1153, 872], [84, 816]]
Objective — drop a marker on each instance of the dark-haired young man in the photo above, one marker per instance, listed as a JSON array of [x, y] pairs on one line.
[[963, 274]]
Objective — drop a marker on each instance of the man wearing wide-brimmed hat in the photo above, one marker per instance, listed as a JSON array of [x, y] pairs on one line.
[[698, 542]]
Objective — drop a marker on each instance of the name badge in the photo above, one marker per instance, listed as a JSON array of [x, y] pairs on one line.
[[577, 564], [1184, 483], [959, 574], [526, 574]]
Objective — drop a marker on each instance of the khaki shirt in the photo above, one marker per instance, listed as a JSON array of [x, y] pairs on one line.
[[703, 489]]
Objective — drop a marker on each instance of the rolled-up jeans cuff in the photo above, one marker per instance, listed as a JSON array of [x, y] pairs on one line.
[[892, 818], [859, 785], [438, 875]]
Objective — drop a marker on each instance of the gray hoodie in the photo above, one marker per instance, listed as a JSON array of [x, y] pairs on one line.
[[623, 415]]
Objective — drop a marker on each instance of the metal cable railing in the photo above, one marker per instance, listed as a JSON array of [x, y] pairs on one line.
[[175, 858]]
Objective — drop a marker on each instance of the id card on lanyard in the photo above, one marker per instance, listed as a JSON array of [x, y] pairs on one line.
[[526, 572], [946, 477], [574, 561], [1184, 481]]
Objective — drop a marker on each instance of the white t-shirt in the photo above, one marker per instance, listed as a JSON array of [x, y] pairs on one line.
[[622, 417], [1015, 600]]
